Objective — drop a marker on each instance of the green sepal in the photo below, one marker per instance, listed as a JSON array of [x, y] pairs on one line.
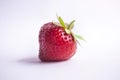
[[79, 37], [71, 25], [61, 22], [78, 42], [68, 28]]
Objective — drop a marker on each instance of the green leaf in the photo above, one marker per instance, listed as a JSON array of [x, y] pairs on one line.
[[71, 25], [75, 38], [79, 37], [61, 22], [78, 42]]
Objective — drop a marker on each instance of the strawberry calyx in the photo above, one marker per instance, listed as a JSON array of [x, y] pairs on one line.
[[68, 27]]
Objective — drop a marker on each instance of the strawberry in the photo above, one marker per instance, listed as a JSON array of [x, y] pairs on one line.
[[56, 41]]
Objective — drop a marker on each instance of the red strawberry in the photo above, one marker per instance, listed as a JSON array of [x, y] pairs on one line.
[[57, 42]]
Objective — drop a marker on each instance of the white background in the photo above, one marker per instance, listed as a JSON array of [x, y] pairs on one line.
[[97, 20]]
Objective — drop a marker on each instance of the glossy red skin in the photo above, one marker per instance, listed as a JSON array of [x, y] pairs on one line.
[[55, 44]]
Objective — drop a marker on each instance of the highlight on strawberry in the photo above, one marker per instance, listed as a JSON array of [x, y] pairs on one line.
[[57, 42]]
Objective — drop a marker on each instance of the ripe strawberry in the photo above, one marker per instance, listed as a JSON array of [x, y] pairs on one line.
[[56, 41]]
